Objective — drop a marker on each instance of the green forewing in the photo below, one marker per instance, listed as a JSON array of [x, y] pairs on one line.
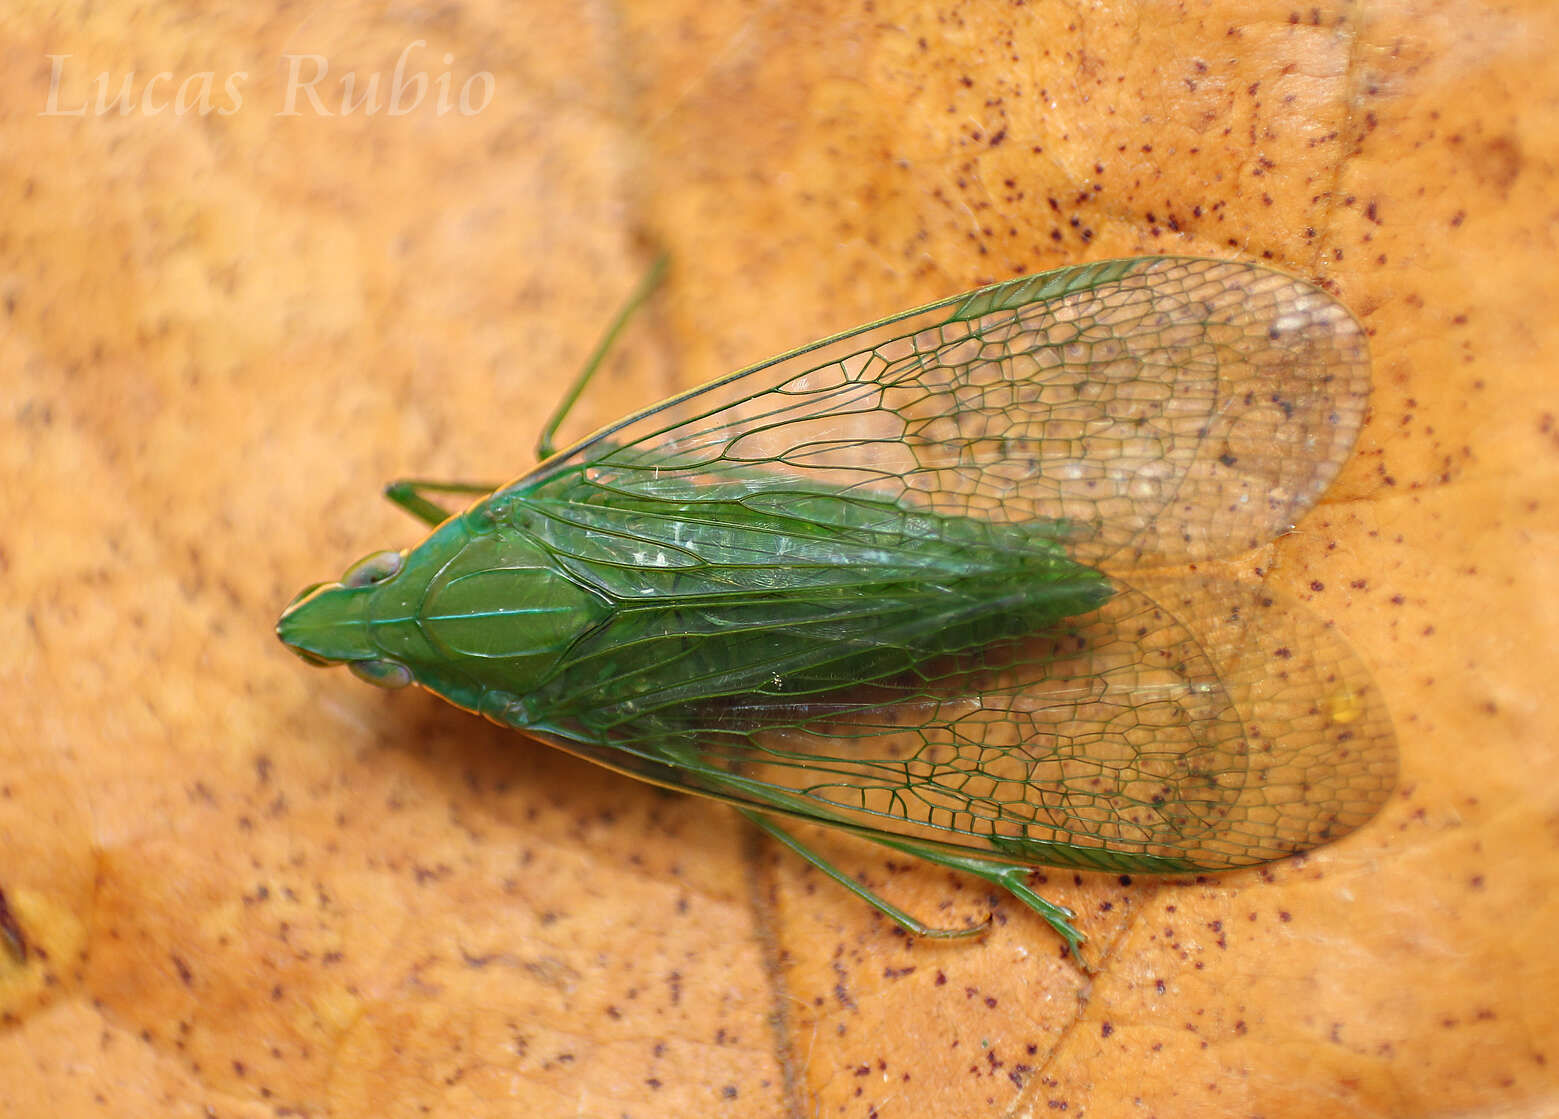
[[772, 543], [1165, 409]]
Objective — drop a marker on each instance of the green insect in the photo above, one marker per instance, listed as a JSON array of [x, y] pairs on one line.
[[934, 581]]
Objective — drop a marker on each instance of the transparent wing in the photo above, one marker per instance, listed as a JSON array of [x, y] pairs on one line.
[[1146, 412], [1166, 409], [1192, 723]]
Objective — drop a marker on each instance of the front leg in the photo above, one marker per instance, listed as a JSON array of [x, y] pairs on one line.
[[411, 495]]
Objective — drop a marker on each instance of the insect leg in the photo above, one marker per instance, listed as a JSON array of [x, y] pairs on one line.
[[411, 495], [1013, 879], [544, 446], [892, 912]]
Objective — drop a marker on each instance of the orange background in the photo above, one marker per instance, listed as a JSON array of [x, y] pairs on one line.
[[248, 886]]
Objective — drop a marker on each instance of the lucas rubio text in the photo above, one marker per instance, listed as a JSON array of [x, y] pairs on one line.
[[307, 90]]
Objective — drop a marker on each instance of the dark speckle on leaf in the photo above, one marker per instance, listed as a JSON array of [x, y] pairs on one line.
[[11, 933]]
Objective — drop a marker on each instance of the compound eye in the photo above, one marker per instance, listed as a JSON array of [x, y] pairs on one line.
[[373, 569], [381, 672]]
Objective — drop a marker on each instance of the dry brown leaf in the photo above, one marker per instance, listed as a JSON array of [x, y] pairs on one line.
[[247, 888]]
